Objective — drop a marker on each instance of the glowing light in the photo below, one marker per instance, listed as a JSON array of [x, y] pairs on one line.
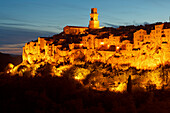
[[120, 88], [117, 47], [81, 73], [59, 71], [108, 46], [11, 66], [81, 45], [101, 43], [77, 78], [8, 72]]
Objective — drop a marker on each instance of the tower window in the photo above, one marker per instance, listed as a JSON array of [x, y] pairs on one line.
[[91, 18]]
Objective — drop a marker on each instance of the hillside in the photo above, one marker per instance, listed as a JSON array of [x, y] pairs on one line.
[[64, 95], [7, 58]]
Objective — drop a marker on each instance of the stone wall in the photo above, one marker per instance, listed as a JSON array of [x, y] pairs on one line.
[[148, 50]]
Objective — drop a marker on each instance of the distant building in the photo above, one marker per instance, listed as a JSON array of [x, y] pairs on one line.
[[93, 24]]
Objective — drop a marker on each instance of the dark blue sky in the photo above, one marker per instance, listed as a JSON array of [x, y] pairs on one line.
[[24, 20]]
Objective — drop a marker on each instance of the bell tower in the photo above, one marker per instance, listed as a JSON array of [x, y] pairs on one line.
[[94, 23]]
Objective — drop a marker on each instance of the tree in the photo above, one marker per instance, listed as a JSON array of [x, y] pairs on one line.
[[129, 85]]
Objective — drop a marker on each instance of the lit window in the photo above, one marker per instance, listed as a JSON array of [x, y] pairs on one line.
[[81, 44], [117, 47], [102, 43]]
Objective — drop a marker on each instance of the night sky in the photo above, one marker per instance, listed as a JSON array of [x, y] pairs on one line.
[[24, 20]]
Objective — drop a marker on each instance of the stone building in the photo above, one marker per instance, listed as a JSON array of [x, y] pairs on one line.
[[147, 50], [93, 24]]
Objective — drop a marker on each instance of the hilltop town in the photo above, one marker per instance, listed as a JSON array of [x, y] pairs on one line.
[[101, 58], [142, 47], [90, 70]]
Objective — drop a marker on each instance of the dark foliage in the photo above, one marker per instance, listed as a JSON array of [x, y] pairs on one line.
[[7, 58], [129, 85], [65, 95]]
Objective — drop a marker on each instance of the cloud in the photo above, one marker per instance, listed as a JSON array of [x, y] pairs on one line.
[[12, 48], [12, 45], [18, 24], [40, 27], [8, 17], [124, 24], [110, 25], [13, 39], [138, 23], [30, 25], [14, 52], [133, 23], [57, 27]]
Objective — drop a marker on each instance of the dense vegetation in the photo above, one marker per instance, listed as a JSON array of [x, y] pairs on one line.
[[65, 95], [44, 93]]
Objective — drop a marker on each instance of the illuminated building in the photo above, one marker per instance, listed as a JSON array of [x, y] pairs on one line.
[[93, 24], [147, 51]]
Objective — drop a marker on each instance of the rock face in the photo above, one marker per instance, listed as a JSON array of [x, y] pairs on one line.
[[146, 52]]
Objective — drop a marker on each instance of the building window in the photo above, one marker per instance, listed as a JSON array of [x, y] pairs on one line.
[[163, 35]]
